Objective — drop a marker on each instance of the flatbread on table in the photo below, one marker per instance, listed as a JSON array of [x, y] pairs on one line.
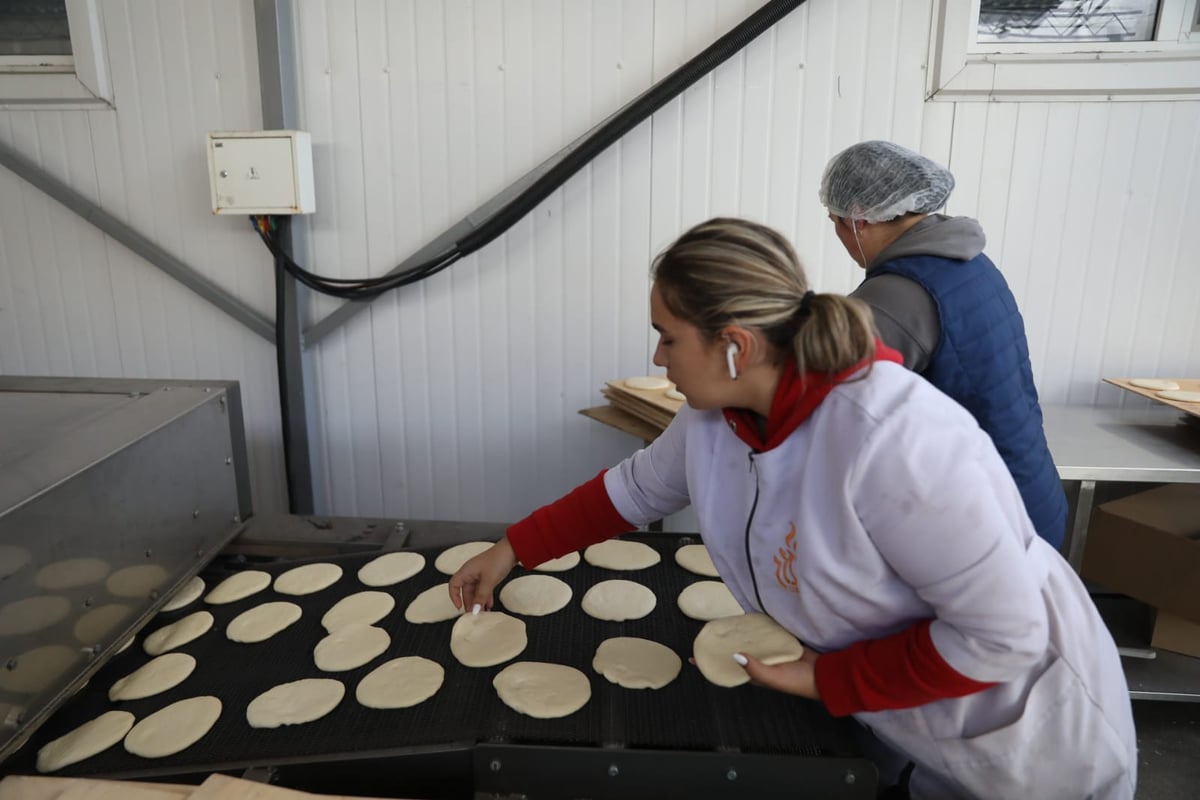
[[238, 587], [295, 703], [400, 683], [619, 554], [535, 595], [175, 728], [391, 568], [262, 622], [753, 634], [89, 739], [308, 579], [451, 560], [636, 663], [487, 638], [542, 690], [618, 600]]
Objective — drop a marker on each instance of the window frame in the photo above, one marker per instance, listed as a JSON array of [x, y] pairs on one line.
[[80, 80]]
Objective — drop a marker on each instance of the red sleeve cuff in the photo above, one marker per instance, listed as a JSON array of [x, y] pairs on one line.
[[898, 671], [583, 517]]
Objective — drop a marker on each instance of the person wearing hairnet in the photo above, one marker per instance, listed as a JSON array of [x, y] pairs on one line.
[[940, 301]]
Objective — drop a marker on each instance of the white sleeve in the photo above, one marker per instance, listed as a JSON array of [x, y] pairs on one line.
[[652, 483]]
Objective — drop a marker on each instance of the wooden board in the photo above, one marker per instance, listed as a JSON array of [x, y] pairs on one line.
[[622, 421], [652, 398], [32, 787], [1185, 384]]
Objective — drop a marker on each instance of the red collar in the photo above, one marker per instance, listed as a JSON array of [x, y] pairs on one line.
[[795, 400]]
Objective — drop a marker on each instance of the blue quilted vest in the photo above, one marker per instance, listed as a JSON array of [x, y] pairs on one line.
[[982, 361]]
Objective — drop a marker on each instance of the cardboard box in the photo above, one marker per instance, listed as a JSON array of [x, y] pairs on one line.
[[1147, 546], [1175, 634]]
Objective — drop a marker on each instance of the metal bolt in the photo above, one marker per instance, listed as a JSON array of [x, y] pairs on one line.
[[731, 775], [207, 389], [228, 461], [195, 513], [154, 594], [95, 649], [11, 665], [224, 173], [237, 518], [89, 602], [21, 717], [149, 552], [199, 553], [849, 777], [613, 771], [495, 765]]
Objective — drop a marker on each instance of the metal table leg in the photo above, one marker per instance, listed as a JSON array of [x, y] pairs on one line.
[[1079, 525]]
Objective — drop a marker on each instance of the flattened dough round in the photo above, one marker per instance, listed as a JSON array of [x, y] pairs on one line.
[[13, 559], [754, 634], [617, 601], [541, 690], [621, 555], [136, 581], [400, 683], [308, 579], [1180, 396], [363, 608], [391, 568], [695, 558], [238, 587], [87, 740], [186, 595], [569, 561], [708, 600], [535, 595], [295, 703], [38, 668], [33, 614], [154, 677], [350, 647], [648, 383], [487, 638], [636, 663], [1154, 384], [71, 573], [95, 625], [174, 728], [178, 633], [262, 622], [674, 394], [450, 560], [432, 605]]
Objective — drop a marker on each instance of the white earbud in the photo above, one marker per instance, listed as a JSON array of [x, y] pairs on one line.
[[731, 352]]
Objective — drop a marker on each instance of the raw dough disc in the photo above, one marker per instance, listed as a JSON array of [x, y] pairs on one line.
[[569, 561], [648, 383], [535, 595], [754, 634], [350, 647], [188, 594], [85, 741], [13, 559], [391, 568], [636, 663], [262, 622], [136, 581], [33, 614], [708, 600], [295, 703], [487, 638], [71, 573], [308, 579], [541, 690], [238, 587], [98, 623], [452, 559], [695, 558], [1181, 397], [400, 683], [174, 728], [38, 668], [675, 394], [432, 605], [622, 555], [1154, 384], [178, 633], [154, 677], [618, 601], [364, 608]]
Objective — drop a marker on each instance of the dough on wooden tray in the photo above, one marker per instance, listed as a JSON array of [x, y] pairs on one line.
[[754, 634], [238, 587], [363, 608], [432, 605], [38, 669], [400, 683], [562, 564], [487, 638], [187, 594], [542, 690], [87, 740], [33, 614], [95, 625], [262, 622], [708, 600], [175, 728], [295, 703], [451, 559], [179, 633], [1180, 396], [391, 568], [308, 579], [1154, 384], [695, 558], [71, 573], [136, 581], [154, 677], [649, 383], [636, 663], [350, 647], [675, 394], [617, 601], [621, 555], [535, 595]]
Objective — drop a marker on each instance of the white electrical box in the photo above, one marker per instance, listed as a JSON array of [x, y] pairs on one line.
[[261, 172]]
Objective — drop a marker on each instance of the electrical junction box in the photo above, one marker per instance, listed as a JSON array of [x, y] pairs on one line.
[[261, 172]]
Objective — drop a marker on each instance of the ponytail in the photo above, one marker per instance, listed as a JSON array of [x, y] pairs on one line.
[[836, 333]]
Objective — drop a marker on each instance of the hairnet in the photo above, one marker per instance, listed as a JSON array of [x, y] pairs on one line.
[[879, 181]]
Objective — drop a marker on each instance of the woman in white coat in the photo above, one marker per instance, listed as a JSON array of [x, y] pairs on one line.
[[868, 514]]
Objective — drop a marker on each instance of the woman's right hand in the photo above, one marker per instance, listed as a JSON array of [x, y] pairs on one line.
[[475, 581]]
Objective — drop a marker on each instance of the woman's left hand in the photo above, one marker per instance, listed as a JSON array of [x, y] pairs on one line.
[[794, 677]]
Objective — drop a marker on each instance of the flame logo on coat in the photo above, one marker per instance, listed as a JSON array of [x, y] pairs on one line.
[[785, 574]]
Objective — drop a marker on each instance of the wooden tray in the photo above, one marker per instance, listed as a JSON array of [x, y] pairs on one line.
[[216, 787], [652, 405], [1185, 384]]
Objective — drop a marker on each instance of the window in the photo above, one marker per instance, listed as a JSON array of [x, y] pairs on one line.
[[52, 54], [1064, 49]]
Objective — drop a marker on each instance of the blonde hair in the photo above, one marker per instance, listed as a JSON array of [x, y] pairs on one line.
[[736, 272]]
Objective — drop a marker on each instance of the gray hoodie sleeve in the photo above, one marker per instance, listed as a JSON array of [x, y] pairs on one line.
[[906, 316]]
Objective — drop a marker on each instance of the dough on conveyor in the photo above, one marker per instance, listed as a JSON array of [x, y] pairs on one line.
[[95, 625], [487, 638], [621, 555], [178, 633], [535, 595], [391, 568], [13, 559], [308, 579], [186, 595], [617, 601], [542, 690], [400, 683], [87, 740], [1180, 396], [174, 728], [708, 600], [453, 558], [37, 669], [636, 663], [295, 703], [648, 383], [136, 581], [695, 558], [154, 677], [432, 605], [363, 608], [1154, 384], [238, 587], [262, 622], [754, 634], [350, 647], [33, 614], [569, 561], [71, 573]]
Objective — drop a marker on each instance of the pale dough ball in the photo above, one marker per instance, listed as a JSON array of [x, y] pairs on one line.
[[1180, 397], [487, 638], [295, 703], [238, 587], [432, 605], [400, 683], [452, 559], [179, 633], [708, 600], [753, 634], [38, 669], [621, 555], [308, 579], [391, 568], [262, 622], [186, 595], [541, 690], [85, 741], [33, 614], [535, 595], [1155, 384], [636, 663], [674, 394], [174, 728], [153, 677], [648, 383], [350, 647], [13, 559], [562, 564], [363, 608], [617, 601], [137, 581], [98, 623], [71, 573], [695, 558]]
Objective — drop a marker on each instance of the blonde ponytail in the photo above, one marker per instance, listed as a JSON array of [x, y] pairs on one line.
[[838, 333]]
